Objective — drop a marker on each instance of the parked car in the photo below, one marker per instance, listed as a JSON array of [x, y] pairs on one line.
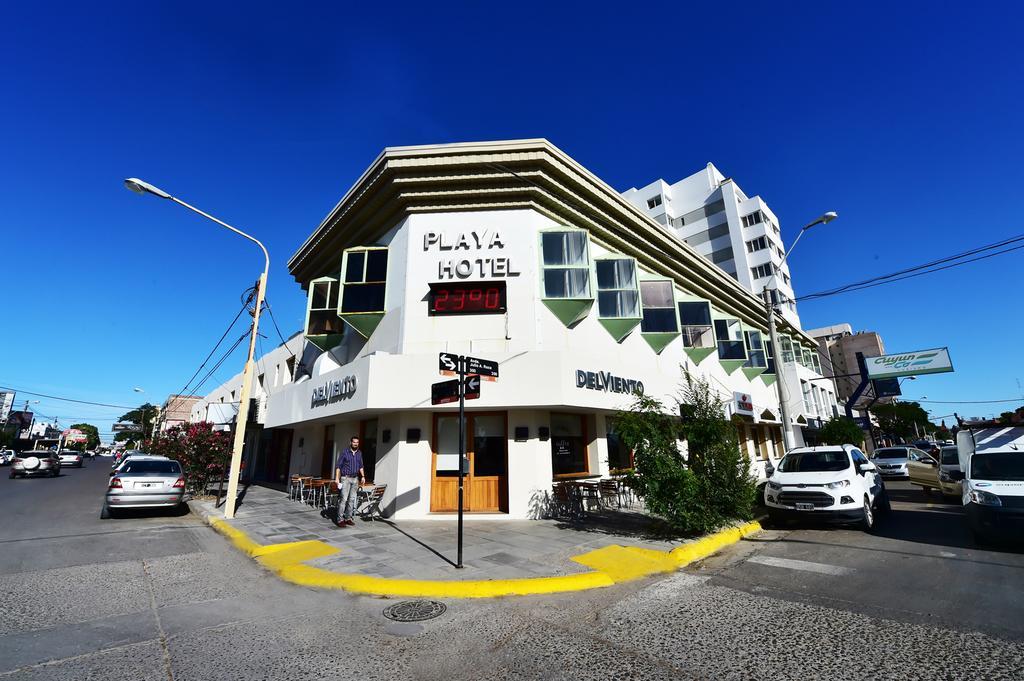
[[892, 461], [69, 457], [6, 456], [992, 472], [36, 462], [124, 454], [136, 457], [936, 474], [830, 483], [145, 483]]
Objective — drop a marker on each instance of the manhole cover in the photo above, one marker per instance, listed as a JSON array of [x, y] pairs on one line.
[[414, 611]]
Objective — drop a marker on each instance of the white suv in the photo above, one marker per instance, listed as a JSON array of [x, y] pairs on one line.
[[833, 483]]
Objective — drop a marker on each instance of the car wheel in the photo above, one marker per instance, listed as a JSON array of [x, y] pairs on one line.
[[105, 512], [13, 475], [867, 522], [882, 502]]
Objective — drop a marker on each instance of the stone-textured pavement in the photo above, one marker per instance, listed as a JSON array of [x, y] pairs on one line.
[[427, 549]]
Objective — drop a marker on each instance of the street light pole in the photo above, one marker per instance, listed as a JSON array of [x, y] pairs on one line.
[[770, 303], [140, 187]]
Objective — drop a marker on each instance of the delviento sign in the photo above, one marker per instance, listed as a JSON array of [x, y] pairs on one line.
[[909, 364]]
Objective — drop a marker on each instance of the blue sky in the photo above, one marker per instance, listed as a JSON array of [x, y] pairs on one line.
[[906, 119]]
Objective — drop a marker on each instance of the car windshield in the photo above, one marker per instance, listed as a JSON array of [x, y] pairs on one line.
[[890, 453], [950, 456], [151, 468], [1000, 466], [815, 462]]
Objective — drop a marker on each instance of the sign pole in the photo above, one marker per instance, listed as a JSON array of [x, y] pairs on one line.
[[462, 443]]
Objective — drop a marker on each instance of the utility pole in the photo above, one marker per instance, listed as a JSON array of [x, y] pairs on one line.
[[780, 377]]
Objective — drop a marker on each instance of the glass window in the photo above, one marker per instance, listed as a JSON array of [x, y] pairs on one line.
[[616, 288], [695, 319], [658, 299], [365, 280], [619, 456], [815, 462], [730, 339], [755, 350], [566, 264], [568, 449], [489, 445], [447, 461], [323, 309]]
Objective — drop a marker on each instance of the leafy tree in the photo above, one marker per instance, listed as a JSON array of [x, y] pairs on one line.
[[841, 431], [143, 415], [93, 434], [898, 418], [1006, 418], [203, 452], [709, 489]]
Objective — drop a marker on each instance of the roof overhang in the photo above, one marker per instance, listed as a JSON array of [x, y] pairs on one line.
[[522, 174]]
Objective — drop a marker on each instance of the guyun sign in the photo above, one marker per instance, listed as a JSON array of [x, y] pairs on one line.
[[909, 364]]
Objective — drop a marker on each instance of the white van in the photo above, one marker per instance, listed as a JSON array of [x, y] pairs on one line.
[[992, 470]]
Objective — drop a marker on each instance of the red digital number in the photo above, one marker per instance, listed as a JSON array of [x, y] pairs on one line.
[[460, 300], [441, 299], [493, 299], [475, 298]]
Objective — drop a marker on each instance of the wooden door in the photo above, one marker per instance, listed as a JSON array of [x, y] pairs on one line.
[[486, 481]]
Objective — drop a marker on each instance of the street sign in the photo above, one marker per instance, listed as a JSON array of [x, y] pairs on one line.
[[484, 368], [887, 387], [445, 392], [126, 427], [472, 391], [448, 364]]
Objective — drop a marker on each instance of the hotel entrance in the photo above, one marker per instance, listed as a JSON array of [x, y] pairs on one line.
[[486, 481]]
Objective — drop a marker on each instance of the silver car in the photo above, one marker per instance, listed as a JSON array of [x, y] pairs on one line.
[[145, 483], [892, 461], [70, 457], [38, 462]]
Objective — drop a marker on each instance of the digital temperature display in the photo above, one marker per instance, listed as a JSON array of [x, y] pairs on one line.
[[468, 297]]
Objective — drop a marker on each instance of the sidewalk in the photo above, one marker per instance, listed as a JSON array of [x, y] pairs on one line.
[[412, 556]]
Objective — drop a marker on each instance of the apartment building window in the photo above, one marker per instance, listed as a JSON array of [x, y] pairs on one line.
[[695, 318], [815, 362], [785, 278], [566, 264], [654, 201], [755, 350], [808, 405], [761, 271], [758, 244], [659, 307], [617, 295], [365, 280], [787, 349], [752, 219], [730, 339]]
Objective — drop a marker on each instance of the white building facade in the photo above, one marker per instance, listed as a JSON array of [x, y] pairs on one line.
[[512, 252]]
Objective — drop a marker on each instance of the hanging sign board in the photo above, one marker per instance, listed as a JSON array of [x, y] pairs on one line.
[[909, 364]]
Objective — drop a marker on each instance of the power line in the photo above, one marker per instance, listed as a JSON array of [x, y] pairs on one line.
[[247, 298], [920, 270], [278, 328], [66, 399]]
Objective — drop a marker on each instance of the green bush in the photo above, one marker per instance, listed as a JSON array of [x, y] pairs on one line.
[[713, 487], [203, 452]]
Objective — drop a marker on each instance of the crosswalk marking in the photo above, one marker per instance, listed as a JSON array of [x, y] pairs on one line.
[[804, 565]]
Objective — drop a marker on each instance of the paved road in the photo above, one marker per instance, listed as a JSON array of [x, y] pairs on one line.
[[165, 598]]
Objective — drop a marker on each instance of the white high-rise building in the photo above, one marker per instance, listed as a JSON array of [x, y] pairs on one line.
[[739, 234]]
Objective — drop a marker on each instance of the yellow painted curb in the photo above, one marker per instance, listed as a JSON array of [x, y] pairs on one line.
[[610, 565]]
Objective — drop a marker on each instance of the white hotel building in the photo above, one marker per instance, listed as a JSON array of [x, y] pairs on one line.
[[509, 251]]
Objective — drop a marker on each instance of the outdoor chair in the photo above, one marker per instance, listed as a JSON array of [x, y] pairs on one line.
[[611, 491], [589, 495], [565, 501], [371, 507]]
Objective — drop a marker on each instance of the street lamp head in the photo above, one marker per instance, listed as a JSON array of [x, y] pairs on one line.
[[829, 217], [138, 390], [140, 187]]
